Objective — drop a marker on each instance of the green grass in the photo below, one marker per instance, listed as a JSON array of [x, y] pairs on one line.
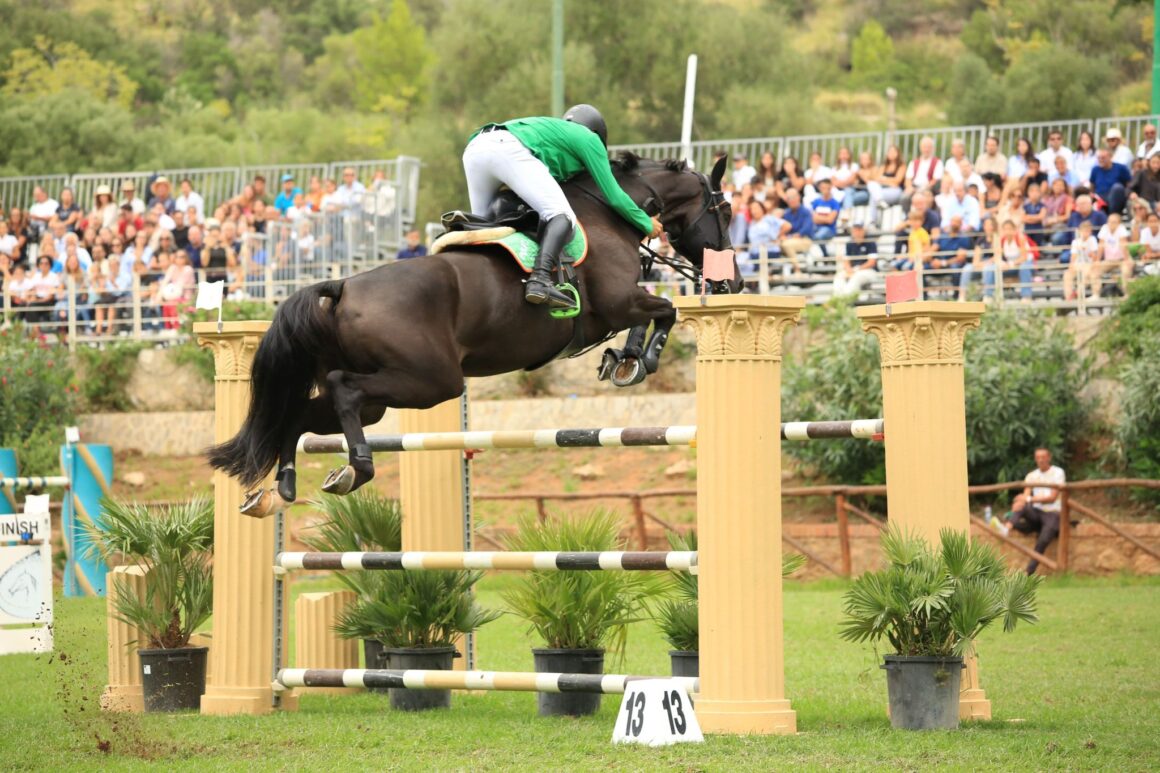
[[1080, 690]]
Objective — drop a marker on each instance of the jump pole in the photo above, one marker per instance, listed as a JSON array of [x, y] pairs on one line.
[[739, 349], [598, 437], [924, 404], [242, 658]]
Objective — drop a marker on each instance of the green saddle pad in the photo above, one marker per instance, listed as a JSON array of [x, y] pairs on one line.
[[525, 249]]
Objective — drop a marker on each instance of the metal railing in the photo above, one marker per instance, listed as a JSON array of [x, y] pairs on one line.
[[215, 185], [1131, 127], [876, 142], [828, 145], [1008, 134], [908, 141], [17, 191], [218, 185]]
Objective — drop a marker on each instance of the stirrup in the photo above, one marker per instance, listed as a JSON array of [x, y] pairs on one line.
[[565, 312]]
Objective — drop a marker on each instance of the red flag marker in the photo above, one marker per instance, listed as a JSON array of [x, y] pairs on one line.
[[901, 287]]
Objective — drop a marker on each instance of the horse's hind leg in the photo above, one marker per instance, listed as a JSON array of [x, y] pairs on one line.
[[319, 417], [356, 395]]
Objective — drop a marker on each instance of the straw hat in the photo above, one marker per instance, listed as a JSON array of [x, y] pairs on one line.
[[103, 190], [161, 179]]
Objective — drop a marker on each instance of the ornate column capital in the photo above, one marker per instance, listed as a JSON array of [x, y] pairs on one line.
[[921, 332], [742, 327], [233, 348]]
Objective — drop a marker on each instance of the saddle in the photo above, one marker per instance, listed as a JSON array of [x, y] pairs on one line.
[[510, 224]]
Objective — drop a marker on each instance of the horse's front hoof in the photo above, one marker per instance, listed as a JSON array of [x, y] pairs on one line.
[[340, 480], [628, 372], [608, 363], [263, 503]]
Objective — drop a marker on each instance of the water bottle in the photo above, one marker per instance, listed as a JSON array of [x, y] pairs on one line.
[[987, 515]]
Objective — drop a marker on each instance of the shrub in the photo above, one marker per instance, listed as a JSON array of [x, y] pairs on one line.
[[106, 373], [1024, 378], [37, 399], [578, 610], [839, 379], [1023, 383], [176, 546], [417, 609], [933, 601], [1134, 328], [1137, 435]]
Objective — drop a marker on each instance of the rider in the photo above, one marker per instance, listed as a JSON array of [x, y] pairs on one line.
[[532, 156]]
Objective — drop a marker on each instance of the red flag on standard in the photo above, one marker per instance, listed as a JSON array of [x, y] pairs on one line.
[[901, 287], [717, 265]]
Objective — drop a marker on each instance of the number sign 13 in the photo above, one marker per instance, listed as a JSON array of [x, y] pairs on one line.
[[656, 712]]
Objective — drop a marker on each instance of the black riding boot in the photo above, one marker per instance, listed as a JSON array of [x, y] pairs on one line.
[[540, 285]]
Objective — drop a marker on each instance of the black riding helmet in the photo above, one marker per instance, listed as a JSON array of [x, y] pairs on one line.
[[590, 118]]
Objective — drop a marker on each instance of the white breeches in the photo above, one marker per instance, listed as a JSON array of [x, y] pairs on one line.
[[496, 158]]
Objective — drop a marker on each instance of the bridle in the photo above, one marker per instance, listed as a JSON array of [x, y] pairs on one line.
[[709, 228]]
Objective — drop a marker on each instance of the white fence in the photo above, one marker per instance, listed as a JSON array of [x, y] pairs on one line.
[[907, 140], [220, 184]]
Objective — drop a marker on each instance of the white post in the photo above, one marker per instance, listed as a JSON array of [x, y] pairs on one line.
[[71, 291], [136, 306], [687, 116], [763, 270]]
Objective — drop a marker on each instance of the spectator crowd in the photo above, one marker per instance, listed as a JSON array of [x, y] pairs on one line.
[[1090, 211], [164, 238]]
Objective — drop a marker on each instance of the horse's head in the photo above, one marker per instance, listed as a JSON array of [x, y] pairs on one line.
[[691, 206]]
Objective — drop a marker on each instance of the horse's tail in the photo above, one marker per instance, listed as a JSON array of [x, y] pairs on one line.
[[281, 380]]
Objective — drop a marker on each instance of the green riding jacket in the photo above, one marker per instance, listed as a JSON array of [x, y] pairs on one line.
[[567, 149]]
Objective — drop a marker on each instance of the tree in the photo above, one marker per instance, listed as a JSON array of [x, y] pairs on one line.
[[975, 94], [872, 55], [980, 37], [381, 68], [66, 131], [49, 68], [1050, 81]]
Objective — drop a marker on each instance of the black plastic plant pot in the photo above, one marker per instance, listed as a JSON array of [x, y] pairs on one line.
[[432, 659], [924, 692], [173, 680], [685, 662], [375, 656], [570, 704]]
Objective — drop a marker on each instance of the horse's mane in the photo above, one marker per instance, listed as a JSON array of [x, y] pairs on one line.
[[627, 161]]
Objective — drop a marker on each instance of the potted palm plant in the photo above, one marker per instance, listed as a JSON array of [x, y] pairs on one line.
[[417, 616], [175, 546], [677, 615], [579, 616], [930, 604], [363, 520]]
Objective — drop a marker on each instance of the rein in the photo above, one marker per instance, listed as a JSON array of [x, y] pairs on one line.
[[654, 205]]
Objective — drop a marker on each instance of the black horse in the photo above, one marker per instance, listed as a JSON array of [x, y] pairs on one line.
[[404, 335]]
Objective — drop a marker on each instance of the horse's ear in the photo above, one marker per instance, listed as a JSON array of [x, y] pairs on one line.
[[718, 173]]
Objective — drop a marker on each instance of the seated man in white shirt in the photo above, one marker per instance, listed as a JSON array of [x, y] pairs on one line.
[[923, 173], [42, 212], [1149, 147], [743, 171], [1055, 148], [1037, 509]]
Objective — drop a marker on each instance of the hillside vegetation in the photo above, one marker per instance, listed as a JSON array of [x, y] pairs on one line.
[[106, 85]]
